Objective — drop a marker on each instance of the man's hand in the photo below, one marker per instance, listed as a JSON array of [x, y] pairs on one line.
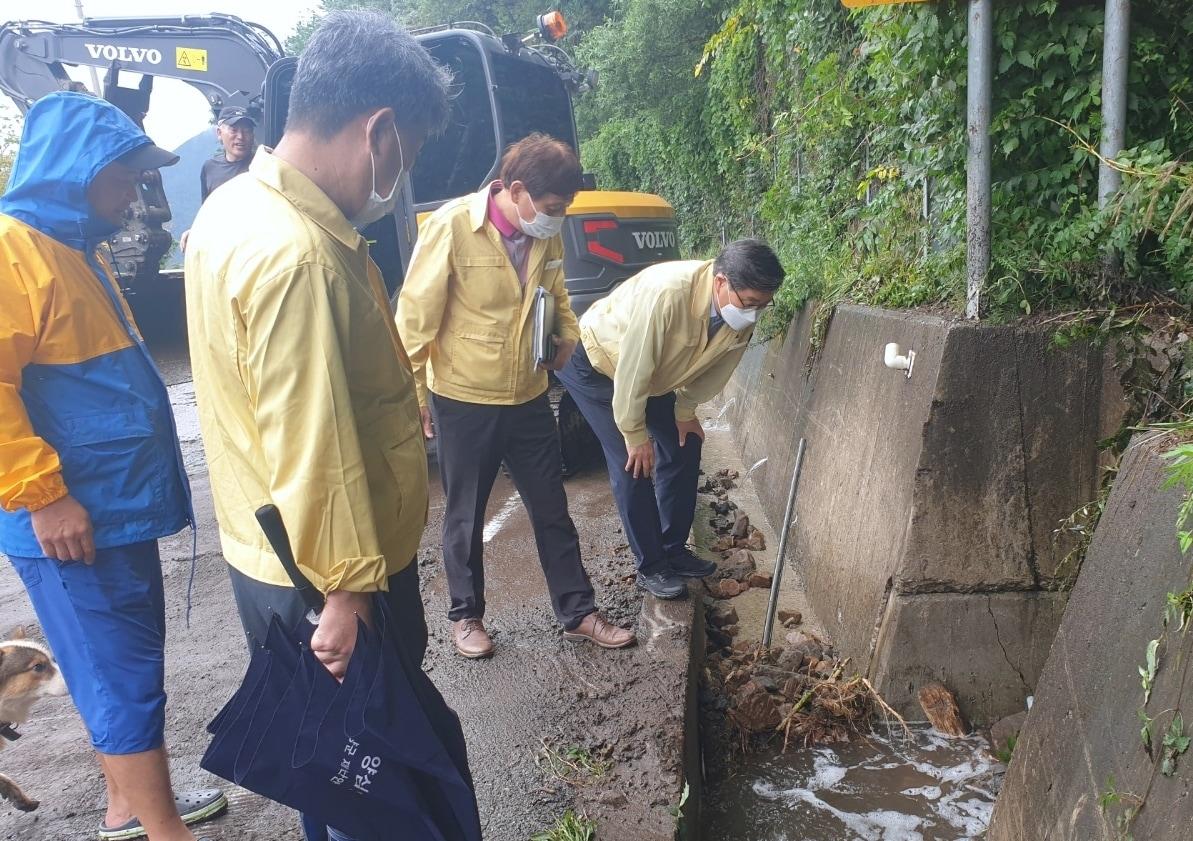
[[640, 464], [335, 638], [182, 241], [63, 529], [689, 427], [564, 348], [424, 412]]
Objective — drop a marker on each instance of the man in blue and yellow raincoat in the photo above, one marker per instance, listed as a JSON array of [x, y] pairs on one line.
[[90, 471]]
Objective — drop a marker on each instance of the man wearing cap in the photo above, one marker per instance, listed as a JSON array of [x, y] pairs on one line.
[[90, 471], [234, 128]]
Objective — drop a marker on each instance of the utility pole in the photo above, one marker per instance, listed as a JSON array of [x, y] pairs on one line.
[[981, 73], [1116, 57], [94, 76]]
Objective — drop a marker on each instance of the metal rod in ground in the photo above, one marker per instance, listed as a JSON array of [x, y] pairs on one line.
[[981, 73], [781, 553]]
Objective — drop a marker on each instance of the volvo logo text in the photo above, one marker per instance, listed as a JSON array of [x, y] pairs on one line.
[[655, 239], [138, 55]]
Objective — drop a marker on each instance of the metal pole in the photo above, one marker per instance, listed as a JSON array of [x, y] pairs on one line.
[[981, 73], [94, 76], [1116, 54], [782, 551]]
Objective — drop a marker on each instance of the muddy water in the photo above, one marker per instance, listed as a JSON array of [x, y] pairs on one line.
[[877, 788]]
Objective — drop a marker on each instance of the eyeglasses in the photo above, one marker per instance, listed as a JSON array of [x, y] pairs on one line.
[[744, 304]]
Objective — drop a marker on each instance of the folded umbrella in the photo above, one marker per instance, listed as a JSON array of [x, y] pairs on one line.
[[379, 755]]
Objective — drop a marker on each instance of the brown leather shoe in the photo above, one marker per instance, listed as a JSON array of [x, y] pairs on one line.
[[596, 628], [471, 639]]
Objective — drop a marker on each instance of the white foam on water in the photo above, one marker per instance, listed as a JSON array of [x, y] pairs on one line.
[[970, 816], [955, 802], [926, 792], [879, 825], [827, 771]]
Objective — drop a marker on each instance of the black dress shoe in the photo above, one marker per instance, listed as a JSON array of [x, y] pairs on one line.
[[688, 564], [663, 585]]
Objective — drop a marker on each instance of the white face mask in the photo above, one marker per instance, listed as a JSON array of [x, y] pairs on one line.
[[376, 206], [542, 226], [738, 318]]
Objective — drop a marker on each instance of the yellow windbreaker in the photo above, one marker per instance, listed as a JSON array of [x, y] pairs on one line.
[[305, 396], [463, 316], [650, 336]]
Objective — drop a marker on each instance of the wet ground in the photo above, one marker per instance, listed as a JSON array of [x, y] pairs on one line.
[[539, 697], [881, 787]]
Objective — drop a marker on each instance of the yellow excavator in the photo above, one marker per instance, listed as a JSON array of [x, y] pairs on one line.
[[508, 86]]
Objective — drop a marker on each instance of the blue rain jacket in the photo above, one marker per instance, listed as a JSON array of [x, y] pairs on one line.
[[83, 409]]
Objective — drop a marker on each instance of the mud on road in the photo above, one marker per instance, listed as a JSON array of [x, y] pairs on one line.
[[539, 697]]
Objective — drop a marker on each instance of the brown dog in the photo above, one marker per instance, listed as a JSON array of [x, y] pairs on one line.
[[27, 673]]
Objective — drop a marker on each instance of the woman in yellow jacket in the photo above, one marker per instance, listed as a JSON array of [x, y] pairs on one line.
[[465, 319]]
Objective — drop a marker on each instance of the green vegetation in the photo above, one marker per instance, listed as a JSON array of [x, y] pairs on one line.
[[570, 827], [677, 810], [1180, 475], [840, 137], [503, 15], [574, 764], [822, 130], [1004, 754], [1120, 808], [9, 136]]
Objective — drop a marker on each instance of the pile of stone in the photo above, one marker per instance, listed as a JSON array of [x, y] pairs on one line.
[[796, 690], [732, 526]]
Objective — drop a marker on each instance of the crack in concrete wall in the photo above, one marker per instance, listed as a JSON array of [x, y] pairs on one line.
[[1031, 559], [1027, 687]]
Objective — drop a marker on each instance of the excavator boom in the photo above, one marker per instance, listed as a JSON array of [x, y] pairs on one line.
[[223, 56]]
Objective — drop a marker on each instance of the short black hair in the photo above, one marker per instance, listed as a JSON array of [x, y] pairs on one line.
[[358, 62], [750, 264]]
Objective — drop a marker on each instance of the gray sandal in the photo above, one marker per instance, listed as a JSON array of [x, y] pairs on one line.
[[193, 807]]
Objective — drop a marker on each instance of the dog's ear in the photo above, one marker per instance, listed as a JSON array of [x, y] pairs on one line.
[[18, 633]]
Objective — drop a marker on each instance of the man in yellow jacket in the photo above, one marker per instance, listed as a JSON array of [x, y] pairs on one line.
[[305, 395], [662, 343], [465, 317]]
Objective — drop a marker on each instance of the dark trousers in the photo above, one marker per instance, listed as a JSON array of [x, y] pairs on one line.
[[257, 602], [473, 439], [657, 513]]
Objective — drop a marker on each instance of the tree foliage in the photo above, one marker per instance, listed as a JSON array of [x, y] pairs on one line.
[[840, 137], [502, 15], [9, 139], [822, 130]]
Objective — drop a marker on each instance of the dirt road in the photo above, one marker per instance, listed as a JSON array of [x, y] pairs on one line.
[[625, 706]]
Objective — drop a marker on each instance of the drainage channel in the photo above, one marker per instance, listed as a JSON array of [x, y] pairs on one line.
[[881, 786]]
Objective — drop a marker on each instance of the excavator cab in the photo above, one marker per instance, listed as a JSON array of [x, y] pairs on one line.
[[509, 87]]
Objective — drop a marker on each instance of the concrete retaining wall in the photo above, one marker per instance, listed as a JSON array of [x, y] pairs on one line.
[[927, 505], [1083, 728]]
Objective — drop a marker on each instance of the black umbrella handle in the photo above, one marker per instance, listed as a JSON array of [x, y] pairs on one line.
[[275, 532]]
